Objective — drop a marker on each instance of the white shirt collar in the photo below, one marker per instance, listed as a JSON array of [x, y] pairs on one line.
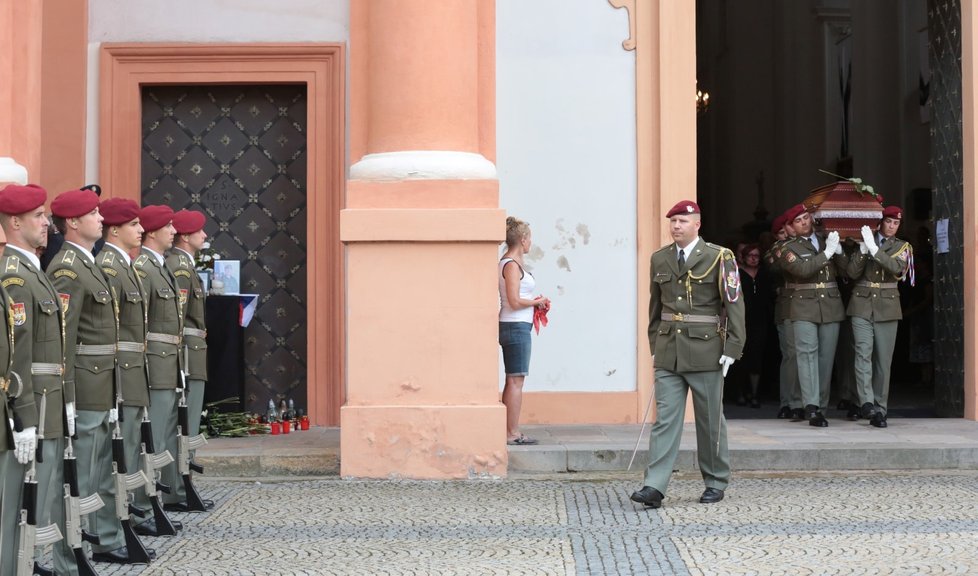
[[88, 253], [31, 257], [688, 249], [157, 255]]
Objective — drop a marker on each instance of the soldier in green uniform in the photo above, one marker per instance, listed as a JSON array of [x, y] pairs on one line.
[[874, 309], [164, 331], [695, 285], [91, 337], [790, 393], [16, 448], [811, 262], [189, 239], [39, 356]]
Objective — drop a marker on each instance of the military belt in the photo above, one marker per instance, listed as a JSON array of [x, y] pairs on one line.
[[195, 332], [867, 284], [46, 368], [95, 349], [692, 318], [165, 338], [132, 347], [812, 286]]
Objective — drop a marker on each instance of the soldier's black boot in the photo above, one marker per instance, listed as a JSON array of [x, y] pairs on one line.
[[815, 417], [878, 420], [868, 410]]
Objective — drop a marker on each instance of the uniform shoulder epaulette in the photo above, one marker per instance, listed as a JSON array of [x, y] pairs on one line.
[[109, 270], [140, 260], [65, 273], [108, 257], [664, 248], [69, 257], [12, 264], [722, 249], [184, 261]]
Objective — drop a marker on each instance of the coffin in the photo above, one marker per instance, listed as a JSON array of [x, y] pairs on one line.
[[840, 207]]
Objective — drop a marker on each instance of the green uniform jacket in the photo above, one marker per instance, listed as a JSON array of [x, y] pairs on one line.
[[132, 324], [709, 284], [164, 317], [802, 264], [86, 300], [192, 297], [39, 330], [887, 266], [773, 260], [6, 364]]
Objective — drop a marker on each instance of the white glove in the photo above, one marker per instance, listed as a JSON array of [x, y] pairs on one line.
[[838, 249], [726, 362], [70, 414], [113, 415], [869, 240], [831, 244], [863, 249], [25, 443]]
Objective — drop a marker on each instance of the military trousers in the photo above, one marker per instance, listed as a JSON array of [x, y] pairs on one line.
[[131, 426], [93, 450], [671, 390], [163, 413], [874, 343], [845, 375], [51, 500], [195, 405], [788, 374], [815, 349], [11, 498]]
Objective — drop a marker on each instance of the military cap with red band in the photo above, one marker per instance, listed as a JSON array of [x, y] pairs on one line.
[[794, 212], [684, 207], [155, 217], [16, 199], [118, 211], [188, 221], [74, 203], [894, 212]]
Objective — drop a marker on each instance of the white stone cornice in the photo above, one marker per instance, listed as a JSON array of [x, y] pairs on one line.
[[423, 165]]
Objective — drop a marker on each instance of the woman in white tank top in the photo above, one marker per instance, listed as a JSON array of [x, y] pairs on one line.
[[515, 319]]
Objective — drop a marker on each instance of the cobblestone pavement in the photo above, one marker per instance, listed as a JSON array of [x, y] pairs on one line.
[[845, 523]]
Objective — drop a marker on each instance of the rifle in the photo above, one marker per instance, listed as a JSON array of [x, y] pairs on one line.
[[75, 507], [124, 483], [30, 534], [185, 444], [151, 462]]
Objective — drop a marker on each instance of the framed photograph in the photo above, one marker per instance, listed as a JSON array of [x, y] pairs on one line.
[[228, 272]]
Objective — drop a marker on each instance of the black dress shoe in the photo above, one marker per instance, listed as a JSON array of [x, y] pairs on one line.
[[878, 420], [117, 556], [146, 529], [711, 496], [853, 414], [648, 496], [182, 506], [867, 410], [784, 413], [815, 417], [797, 415]]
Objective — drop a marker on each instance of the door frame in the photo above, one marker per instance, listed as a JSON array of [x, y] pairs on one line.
[[126, 67]]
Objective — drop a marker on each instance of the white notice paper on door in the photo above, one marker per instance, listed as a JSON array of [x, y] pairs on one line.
[[941, 233]]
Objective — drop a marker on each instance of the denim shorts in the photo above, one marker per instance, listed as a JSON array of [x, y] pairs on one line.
[[514, 337]]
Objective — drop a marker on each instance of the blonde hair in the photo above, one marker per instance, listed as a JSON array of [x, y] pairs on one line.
[[516, 229]]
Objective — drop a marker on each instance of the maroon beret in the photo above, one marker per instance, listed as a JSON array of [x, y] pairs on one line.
[[74, 203], [117, 211], [16, 199], [684, 207], [894, 212], [778, 224], [794, 212], [155, 217], [188, 221]]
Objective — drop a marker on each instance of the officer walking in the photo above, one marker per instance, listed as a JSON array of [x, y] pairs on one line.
[[189, 239], [882, 261], [164, 330], [39, 357], [811, 263], [693, 284]]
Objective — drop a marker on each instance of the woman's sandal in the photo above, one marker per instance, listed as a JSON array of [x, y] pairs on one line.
[[521, 440]]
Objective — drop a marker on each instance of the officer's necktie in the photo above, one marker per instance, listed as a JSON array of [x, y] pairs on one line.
[[682, 258], [814, 240]]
